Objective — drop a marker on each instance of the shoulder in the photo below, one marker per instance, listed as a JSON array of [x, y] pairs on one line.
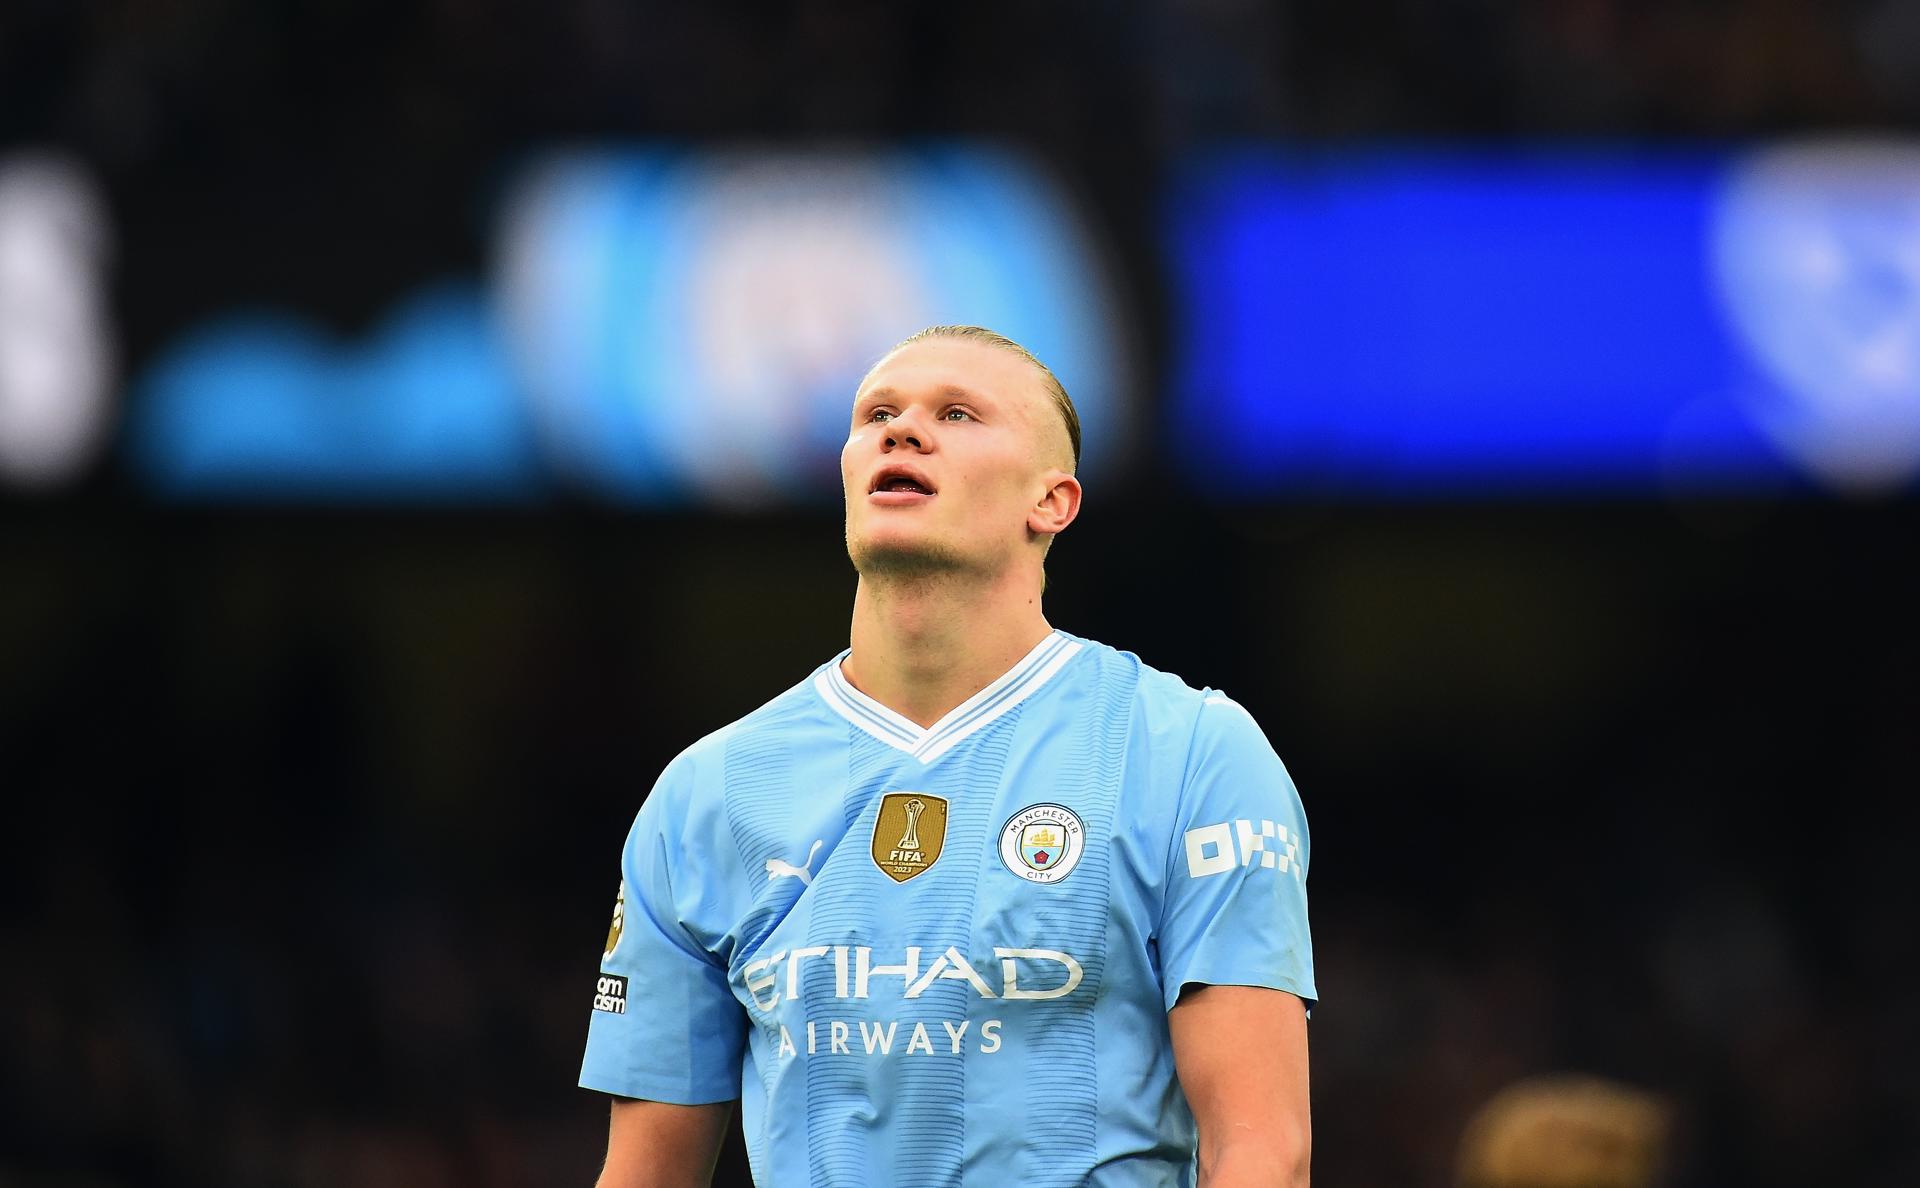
[[699, 772], [1101, 661], [1168, 704], [1201, 733]]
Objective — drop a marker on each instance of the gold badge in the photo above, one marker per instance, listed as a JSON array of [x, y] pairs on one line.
[[908, 833], [619, 922]]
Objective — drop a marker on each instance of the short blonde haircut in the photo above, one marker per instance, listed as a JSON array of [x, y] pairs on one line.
[[1051, 382]]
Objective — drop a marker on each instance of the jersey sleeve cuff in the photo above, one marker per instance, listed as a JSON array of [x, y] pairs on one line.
[[1302, 990], [665, 1089]]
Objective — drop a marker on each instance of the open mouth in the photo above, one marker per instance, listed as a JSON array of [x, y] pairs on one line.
[[900, 480]]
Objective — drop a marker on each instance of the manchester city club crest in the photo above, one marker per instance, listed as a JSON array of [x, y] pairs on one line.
[[1042, 843]]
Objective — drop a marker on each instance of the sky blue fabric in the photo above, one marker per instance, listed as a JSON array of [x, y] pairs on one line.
[[1068, 850]]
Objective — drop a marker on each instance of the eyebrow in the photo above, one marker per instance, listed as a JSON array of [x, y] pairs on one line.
[[949, 392]]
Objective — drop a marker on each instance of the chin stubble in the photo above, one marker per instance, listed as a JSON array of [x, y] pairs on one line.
[[905, 562]]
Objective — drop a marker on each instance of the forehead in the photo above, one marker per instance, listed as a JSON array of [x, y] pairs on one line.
[[934, 367]]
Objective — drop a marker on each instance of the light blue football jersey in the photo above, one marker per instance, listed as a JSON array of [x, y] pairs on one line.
[[945, 955]]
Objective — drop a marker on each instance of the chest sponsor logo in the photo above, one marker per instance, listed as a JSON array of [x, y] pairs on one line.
[[818, 980], [1042, 843], [908, 834]]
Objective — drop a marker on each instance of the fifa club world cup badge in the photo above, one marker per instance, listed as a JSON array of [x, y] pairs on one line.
[[908, 833], [1043, 843]]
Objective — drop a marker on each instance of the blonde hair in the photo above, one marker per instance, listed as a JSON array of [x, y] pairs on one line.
[[1057, 391], [1565, 1131]]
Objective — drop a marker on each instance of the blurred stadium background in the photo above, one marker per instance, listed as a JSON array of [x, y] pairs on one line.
[[417, 423]]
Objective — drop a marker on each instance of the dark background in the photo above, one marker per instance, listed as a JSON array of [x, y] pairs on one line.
[[313, 816]]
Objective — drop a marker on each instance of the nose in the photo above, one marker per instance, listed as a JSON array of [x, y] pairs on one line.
[[906, 430]]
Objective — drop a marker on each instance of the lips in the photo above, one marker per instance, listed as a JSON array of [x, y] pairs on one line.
[[900, 480]]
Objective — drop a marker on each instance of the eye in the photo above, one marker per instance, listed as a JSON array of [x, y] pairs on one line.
[[880, 414], [956, 413]]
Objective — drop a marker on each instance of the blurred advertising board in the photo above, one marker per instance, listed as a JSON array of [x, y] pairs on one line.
[[267, 405], [1446, 322], [659, 326], [696, 324], [57, 351]]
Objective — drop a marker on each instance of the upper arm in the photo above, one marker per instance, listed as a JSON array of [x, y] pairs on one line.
[[666, 1026], [1241, 1055], [1234, 911], [653, 1144]]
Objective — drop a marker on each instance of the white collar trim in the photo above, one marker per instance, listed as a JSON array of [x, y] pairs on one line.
[[898, 731]]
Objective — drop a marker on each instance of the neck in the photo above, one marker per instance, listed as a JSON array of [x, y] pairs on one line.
[[922, 645]]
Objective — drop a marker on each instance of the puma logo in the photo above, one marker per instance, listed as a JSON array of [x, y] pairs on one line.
[[777, 868]]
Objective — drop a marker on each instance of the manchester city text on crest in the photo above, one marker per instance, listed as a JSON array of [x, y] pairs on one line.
[[908, 833], [1043, 842]]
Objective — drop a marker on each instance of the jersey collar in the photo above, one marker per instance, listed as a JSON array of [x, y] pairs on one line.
[[929, 743]]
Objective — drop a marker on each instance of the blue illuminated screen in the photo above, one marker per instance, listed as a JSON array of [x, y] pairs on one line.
[[1476, 322]]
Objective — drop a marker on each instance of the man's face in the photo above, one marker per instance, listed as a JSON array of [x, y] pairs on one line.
[[953, 446]]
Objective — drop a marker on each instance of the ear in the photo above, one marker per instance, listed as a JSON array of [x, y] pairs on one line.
[[1057, 507]]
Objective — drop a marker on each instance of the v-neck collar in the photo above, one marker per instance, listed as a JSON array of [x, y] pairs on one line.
[[929, 743]]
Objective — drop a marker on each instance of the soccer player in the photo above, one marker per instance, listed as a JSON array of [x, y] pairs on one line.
[[978, 901]]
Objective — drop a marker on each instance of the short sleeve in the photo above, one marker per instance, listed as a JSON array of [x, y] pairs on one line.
[[1235, 912], [665, 1024]]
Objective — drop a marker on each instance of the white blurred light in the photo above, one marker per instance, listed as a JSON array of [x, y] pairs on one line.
[[694, 325], [56, 366], [804, 274], [1817, 259]]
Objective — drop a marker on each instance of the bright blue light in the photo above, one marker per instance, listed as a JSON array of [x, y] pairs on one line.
[[1463, 322], [266, 406], [693, 325], [663, 326]]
